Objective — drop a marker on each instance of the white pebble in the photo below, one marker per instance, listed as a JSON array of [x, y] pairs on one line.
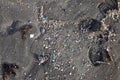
[[61, 69], [70, 73], [31, 35], [73, 67]]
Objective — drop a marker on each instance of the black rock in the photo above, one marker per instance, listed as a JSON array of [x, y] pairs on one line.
[[113, 4], [98, 56], [99, 40], [8, 69], [25, 29], [13, 28], [104, 7], [89, 24]]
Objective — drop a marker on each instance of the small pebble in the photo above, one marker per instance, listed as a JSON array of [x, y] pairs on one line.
[[31, 35], [70, 73], [46, 72], [81, 77], [42, 30], [61, 69], [73, 67]]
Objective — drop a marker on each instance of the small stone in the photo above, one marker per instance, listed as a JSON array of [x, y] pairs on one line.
[[46, 47], [81, 77], [31, 35], [73, 49], [45, 20], [68, 35], [61, 69], [118, 67], [70, 73], [98, 56], [24, 73], [83, 74], [89, 24], [73, 67], [30, 75], [42, 30], [46, 72]]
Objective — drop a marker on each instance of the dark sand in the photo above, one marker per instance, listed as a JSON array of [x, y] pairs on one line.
[[67, 45]]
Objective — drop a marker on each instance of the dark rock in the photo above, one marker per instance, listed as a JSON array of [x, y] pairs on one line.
[[104, 7], [106, 34], [99, 40], [26, 27], [98, 56], [102, 38], [24, 30], [13, 28], [8, 69], [89, 24], [113, 4]]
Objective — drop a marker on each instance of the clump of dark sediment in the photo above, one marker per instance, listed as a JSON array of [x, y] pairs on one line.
[[12, 29], [16, 26], [106, 6], [89, 24], [24, 30], [8, 70], [98, 55]]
